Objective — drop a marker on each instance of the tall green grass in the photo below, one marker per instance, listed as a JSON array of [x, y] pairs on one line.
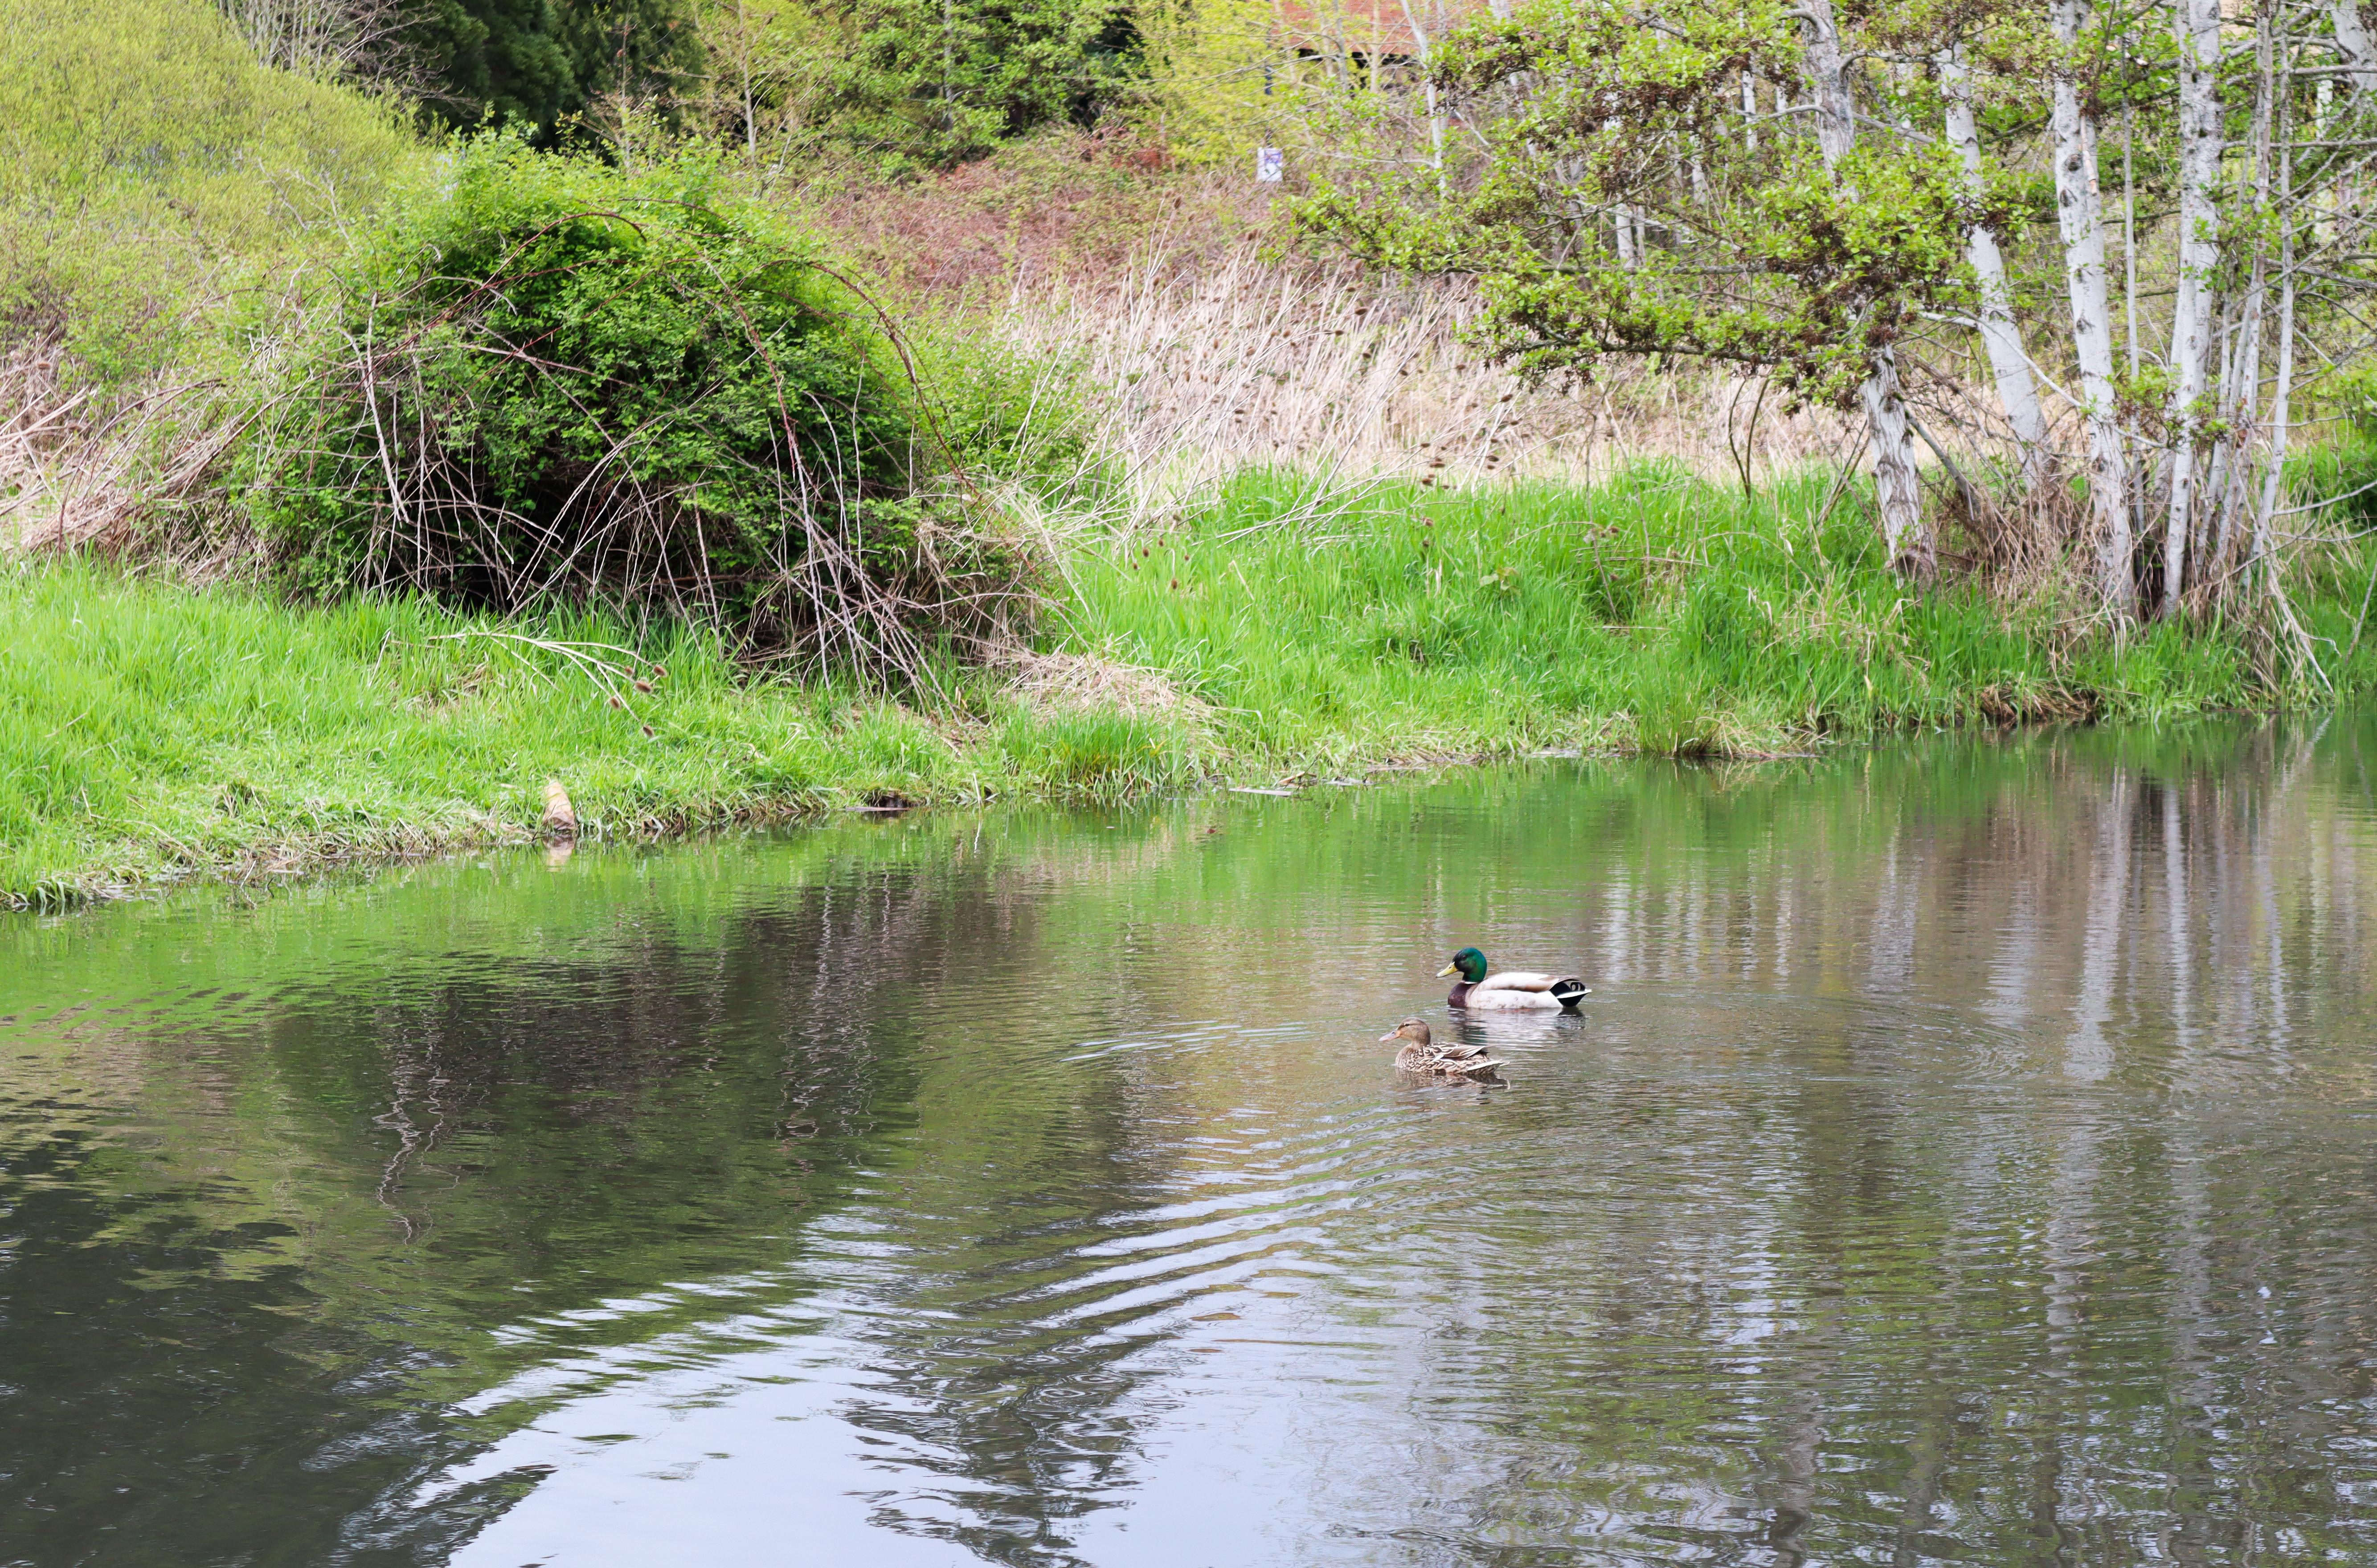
[[149, 730], [1659, 612]]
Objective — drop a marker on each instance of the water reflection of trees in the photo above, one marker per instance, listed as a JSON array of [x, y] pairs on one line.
[[1935, 1222], [2097, 1288], [506, 1139]]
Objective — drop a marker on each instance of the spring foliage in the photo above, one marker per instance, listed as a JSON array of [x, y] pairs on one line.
[[914, 84], [536, 63], [150, 165], [1764, 256], [559, 380], [1852, 200]]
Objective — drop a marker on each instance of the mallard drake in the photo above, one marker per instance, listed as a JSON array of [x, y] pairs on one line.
[[1421, 1053], [1512, 991]]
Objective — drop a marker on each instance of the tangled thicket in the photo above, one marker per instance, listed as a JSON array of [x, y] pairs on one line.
[[561, 382]]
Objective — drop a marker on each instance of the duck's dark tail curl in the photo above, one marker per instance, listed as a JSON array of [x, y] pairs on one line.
[[1569, 992]]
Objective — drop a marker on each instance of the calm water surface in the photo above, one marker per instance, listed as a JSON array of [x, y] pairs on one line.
[[1969, 1154]]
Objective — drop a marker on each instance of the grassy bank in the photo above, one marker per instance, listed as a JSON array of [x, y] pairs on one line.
[[1657, 612], [148, 731]]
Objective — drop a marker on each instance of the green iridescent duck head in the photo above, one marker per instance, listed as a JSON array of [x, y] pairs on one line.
[[1469, 963]]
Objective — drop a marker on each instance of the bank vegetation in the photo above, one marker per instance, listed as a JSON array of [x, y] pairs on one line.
[[778, 409]]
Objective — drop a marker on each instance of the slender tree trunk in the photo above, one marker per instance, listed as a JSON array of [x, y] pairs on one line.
[[2352, 42], [1828, 80], [2325, 199], [1897, 490], [2212, 517], [2240, 407], [2001, 336], [2129, 236], [2358, 54], [1895, 481], [1435, 133], [2273, 473], [1427, 81], [1749, 113], [2241, 390], [2196, 27], [2079, 204], [2130, 278]]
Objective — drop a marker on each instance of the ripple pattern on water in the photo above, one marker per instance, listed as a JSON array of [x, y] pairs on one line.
[[1965, 1156]]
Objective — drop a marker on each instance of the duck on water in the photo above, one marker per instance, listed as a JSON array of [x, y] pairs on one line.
[[1512, 991], [1422, 1052]]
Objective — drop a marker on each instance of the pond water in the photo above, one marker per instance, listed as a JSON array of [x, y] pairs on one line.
[[1969, 1154]]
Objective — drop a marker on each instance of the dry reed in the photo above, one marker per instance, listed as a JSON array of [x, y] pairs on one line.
[[81, 471], [1088, 683], [1202, 372]]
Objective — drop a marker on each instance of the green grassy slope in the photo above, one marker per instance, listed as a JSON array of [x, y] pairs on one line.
[[1658, 611], [149, 730], [154, 175], [145, 728]]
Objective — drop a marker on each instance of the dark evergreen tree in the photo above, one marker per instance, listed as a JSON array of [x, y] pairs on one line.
[[485, 61], [941, 80]]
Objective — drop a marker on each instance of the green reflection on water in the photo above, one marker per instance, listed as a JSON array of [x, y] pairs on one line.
[[1964, 1156]]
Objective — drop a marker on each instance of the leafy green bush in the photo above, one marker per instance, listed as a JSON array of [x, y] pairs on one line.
[[560, 380], [996, 410], [919, 83]]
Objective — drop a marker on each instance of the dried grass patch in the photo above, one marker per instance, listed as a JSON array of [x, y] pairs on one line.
[[82, 472], [1064, 204], [1201, 371], [2008, 703], [1085, 682]]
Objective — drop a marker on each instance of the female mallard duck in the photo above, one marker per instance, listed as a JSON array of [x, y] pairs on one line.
[[1421, 1053], [1512, 991]]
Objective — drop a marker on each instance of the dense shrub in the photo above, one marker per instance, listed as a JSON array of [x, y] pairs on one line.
[[562, 381], [907, 84]]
